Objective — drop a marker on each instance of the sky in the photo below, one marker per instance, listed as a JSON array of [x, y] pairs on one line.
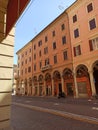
[[37, 15]]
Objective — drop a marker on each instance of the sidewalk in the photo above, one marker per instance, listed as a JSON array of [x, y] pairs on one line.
[[69, 100]]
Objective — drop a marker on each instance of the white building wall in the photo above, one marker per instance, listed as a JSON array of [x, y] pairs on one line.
[[6, 74]]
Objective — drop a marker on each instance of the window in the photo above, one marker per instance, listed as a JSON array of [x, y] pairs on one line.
[[34, 47], [47, 61], [89, 7], [25, 70], [40, 53], [40, 43], [34, 67], [54, 45], [93, 44], [26, 53], [26, 61], [74, 18], [53, 33], [55, 59], [64, 40], [76, 33], [45, 50], [21, 72], [34, 56], [46, 38], [40, 64], [22, 63], [92, 24], [65, 55], [77, 50], [30, 50], [29, 69], [29, 59], [62, 26], [22, 55]]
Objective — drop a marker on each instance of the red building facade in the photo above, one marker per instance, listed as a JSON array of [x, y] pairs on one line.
[[64, 54]]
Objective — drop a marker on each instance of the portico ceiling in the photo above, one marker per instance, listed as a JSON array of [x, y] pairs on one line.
[[3, 11], [10, 11]]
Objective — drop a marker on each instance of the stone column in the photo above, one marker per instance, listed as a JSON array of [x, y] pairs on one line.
[[52, 87], [38, 88], [44, 89], [62, 79], [27, 87], [33, 88], [92, 83], [75, 84]]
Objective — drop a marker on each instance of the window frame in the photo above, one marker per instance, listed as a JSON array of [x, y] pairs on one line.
[[54, 45], [90, 7], [55, 59], [76, 33], [74, 18], [65, 55], [93, 24], [63, 40], [47, 61], [63, 27], [93, 44], [77, 50]]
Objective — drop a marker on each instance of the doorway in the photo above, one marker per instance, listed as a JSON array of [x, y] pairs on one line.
[[60, 88], [69, 89]]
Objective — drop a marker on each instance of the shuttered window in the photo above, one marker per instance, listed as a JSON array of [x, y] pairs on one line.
[[55, 59], [77, 50], [89, 7], [92, 24], [74, 18], [90, 45], [93, 44], [76, 33], [65, 55], [64, 40]]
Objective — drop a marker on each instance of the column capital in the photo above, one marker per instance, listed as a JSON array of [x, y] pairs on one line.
[[90, 71]]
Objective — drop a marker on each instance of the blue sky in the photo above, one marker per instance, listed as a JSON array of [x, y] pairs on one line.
[[38, 14]]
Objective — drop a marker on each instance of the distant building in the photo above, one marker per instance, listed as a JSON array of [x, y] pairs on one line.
[[63, 56], [14, 79], [24, 72]]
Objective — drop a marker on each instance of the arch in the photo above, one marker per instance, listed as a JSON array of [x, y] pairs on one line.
[[82, 71], [40, 78], [48, 77], [35, 78], [56, 75], [68, 80], [95, 65], [95, 75], [83, 81], [67, 73]]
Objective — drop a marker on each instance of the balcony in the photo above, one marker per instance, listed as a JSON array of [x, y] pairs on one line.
[[45, 68]]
